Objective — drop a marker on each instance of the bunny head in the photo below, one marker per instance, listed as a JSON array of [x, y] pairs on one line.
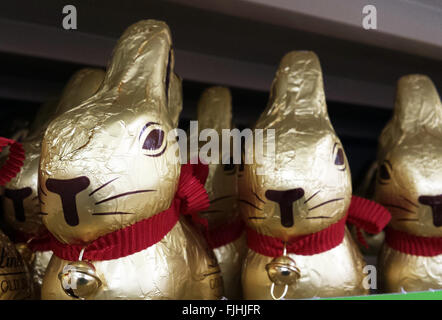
[[215, 112], [107, 163], [409, 178], [305, 185], [20, 202]]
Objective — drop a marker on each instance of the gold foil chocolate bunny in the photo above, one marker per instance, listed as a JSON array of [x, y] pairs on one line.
[[21, 203], [112, 186], [15, 278], [409, 184], [225, 229], [295, 207]]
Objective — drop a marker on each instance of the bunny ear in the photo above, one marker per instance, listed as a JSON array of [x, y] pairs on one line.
[[82, 85], [44, 115], [214, 109], [175, 99], [417, 106], [417, 103], [298, 85], [141, 62]]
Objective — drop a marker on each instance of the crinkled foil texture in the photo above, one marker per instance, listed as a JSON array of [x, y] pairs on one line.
[[81, 86], [38, 269], [180, 266], [214, 112], [15, 279], [222, 190], [113, 147], [27, 178], [410, 167], [308, 156], [334, 273], [401, 272], [230, 258]]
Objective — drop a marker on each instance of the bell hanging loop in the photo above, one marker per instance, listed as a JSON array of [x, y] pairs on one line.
[[282, 271], [79, 279]]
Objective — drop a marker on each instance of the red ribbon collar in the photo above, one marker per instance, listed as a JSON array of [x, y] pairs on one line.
[[15, 160], [224, 234], [363, 213], [35, 243], [414, 245], [190, 198]]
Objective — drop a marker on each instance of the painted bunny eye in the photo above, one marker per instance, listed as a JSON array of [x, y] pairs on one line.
[[385, 171], [339, 160], [153, 137], [339, 157]]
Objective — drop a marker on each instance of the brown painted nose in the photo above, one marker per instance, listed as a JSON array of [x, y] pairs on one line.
[[435, 202], [18, 196], [67, 190], [285, 200]]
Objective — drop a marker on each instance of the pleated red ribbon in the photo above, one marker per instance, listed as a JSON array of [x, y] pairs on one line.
[[15, 160], [224, 234], [363, 213], [414, 245], [190, 198], [42, 243], [35, 243]]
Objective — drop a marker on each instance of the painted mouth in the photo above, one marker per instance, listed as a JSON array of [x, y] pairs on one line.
[[18, 196], [67, 189], [285, 201], [435, 202]]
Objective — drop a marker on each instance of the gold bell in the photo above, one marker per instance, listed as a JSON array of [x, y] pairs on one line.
[[283, 271], [27, 254], [79, 279]]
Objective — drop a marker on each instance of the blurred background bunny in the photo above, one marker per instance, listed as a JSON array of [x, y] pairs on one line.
[[409, 184], [21, 204], [225, 229]]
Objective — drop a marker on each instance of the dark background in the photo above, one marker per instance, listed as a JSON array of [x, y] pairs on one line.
[[33, 71]]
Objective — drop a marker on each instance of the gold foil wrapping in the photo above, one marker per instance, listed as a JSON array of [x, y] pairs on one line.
[[21, 203], [410, 167], [308, 156], [215, 112], [178, 267], [15, 279], [108, 151]]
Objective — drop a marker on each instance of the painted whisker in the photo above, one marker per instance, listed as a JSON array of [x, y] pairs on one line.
[[257, 197], [123, 195], [250, 204], [410, 202], [102, 186], [221, 198], [397, 207], [326, 202], [110, 213], [312, 196], [319, 217]]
